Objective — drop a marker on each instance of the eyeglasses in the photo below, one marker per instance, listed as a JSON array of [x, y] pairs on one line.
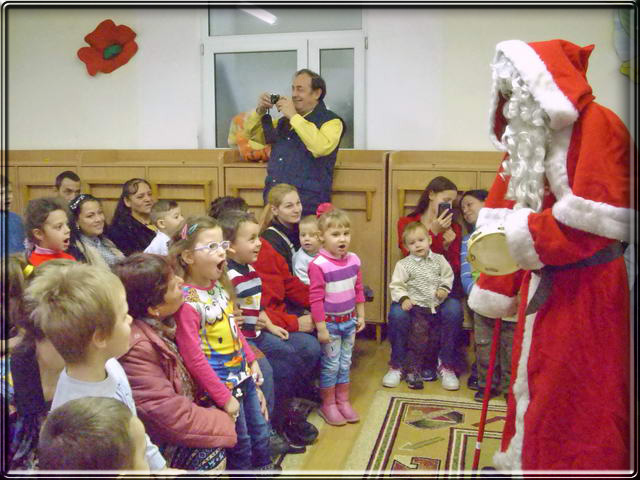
[[213, 246]]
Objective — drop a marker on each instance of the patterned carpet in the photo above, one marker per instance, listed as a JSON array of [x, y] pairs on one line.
[[407, 431]]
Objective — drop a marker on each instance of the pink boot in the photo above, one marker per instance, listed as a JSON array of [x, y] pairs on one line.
[[328, 410], [342, 401]]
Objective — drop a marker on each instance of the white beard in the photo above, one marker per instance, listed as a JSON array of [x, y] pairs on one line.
[[526, 138]]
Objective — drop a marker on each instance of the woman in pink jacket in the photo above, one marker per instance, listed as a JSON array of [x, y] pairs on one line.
[[189, 436]]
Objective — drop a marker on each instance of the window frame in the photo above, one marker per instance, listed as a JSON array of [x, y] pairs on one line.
[[303, 43]]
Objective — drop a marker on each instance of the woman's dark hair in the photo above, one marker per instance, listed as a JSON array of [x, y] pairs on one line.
[[222, 204], [75, 207], [145, 277], [477, 194], [437, 185], [130, 187], [38, 211], [317, 82]]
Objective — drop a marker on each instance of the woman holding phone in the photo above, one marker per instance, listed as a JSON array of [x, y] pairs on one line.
[[435, 211]]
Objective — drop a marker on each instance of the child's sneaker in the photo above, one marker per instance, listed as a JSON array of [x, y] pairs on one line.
[[392, 378], [414, 381], [448, 378]]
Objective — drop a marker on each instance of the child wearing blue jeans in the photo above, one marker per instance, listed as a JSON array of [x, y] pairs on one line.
[[213, 349], [337, 301]]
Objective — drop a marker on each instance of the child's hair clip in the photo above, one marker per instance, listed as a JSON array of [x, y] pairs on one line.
[[188, 231], [323, 208], [183, 232]]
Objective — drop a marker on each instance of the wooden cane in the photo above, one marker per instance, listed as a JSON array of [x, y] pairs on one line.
[[495, 341]]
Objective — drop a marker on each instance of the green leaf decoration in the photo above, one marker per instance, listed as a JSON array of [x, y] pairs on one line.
[[111, 51]]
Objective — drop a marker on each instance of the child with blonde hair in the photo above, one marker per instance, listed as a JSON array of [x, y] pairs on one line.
[[214, 351], [48, 232], [309, 247], [82, 309], [337, 301], [92, 433]]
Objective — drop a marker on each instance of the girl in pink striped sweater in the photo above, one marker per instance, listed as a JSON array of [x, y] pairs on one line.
[[337, 308]]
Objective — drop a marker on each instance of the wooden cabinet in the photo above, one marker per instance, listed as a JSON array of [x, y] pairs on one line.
[[374, 187], [190, 177]]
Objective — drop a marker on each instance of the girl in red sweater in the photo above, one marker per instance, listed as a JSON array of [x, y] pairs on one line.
[[47, 229]]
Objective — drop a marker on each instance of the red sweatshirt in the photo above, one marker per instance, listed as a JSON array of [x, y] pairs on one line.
[[279, 284]]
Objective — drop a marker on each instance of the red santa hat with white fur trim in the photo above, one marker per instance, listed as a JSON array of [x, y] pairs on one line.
[[587, 163]]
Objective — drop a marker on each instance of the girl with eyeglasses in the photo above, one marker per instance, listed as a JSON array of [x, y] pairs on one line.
[[214, 351]]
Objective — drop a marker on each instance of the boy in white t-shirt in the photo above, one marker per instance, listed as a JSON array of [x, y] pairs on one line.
[[167, 217], [83, 311]]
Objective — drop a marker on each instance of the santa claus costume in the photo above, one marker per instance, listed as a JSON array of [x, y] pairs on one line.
[[569, 405]]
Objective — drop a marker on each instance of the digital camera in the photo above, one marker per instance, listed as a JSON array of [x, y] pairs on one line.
[[274, 98]]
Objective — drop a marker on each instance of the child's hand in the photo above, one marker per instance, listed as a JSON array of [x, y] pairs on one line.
[[359, 324], [263, 404], [407, 305], [305, 324], [442, 293], [257, 373], [278, 331], [263, 320], [323, 333], [232, 407], [239, 319]]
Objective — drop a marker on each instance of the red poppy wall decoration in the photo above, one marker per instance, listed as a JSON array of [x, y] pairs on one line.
[[111, 47]]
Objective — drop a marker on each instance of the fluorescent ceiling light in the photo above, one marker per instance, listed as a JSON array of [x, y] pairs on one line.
[[261, 14]]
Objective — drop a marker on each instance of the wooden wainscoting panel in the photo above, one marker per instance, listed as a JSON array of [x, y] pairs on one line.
[[193, 187], [362, 194], [105, 183], [37, 181]]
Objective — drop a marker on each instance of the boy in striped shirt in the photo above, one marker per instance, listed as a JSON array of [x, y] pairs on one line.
[[337, 301]]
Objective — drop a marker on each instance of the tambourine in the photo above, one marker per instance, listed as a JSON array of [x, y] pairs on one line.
[[487, 252]]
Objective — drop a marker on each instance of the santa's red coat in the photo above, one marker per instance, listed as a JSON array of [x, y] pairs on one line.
[[569, 402]]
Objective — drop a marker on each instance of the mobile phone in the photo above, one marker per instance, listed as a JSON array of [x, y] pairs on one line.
[[443, 207]]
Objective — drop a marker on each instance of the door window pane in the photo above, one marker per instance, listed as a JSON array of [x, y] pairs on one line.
[[254, 20], [241, 77], [336, 67]]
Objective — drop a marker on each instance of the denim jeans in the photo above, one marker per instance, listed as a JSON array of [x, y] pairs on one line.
[[252, 449], [267, 386], [450, 318], [336, 355], [293, 363]]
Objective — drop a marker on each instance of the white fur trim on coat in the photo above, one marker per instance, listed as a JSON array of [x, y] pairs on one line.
[[520, 241], [512, 458], [577, 212], [491, 304], [493, 217], [541, 83]]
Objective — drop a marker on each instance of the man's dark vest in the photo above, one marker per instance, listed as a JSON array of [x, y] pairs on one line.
[[291, 162]]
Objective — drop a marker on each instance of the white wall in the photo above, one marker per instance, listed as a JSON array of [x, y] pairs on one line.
[[427, 75], [151, 102]]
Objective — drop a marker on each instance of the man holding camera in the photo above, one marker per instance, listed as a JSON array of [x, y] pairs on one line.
[[304, 141]]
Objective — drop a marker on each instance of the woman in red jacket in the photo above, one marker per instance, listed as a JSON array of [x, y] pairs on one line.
[[446, 239], [189, 436]]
